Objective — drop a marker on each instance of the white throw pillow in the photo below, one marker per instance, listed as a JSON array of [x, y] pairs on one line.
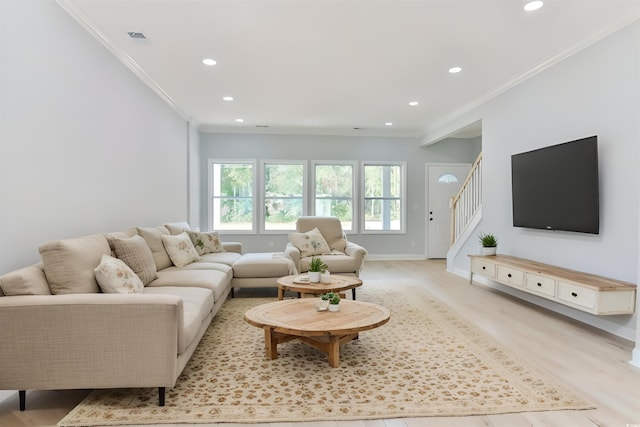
[[206, 243], [310, 243], [115, 277], [180, 249]]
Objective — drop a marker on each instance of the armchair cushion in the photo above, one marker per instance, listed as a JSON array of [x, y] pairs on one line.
[[330, 228], [310, 243]]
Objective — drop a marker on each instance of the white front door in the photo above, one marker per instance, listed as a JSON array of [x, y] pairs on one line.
[[443, 182]]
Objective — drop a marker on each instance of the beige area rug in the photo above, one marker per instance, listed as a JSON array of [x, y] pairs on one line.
[[427, 361]]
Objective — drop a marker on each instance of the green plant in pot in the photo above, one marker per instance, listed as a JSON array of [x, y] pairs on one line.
[[488, 243], [334, 300], [316, 266]]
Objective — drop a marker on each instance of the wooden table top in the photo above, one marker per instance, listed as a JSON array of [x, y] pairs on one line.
[[299, 317], [338, 283]]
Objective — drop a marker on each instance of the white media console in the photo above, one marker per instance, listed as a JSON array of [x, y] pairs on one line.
[[583, 291]]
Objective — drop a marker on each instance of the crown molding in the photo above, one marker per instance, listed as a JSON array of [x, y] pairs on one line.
[[77, 14], [442, 127]]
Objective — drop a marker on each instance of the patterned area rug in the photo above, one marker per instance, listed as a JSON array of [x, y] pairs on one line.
[[427, 361]]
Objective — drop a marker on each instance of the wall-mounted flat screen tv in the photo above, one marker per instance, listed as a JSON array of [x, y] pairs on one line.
[[556, 187]]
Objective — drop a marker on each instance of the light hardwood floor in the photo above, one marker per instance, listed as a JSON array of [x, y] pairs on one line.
[[591, 361]]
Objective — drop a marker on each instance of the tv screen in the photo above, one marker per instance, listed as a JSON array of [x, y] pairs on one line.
[[556, 187]]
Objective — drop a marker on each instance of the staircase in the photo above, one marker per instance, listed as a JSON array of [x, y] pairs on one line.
[[466, 209]]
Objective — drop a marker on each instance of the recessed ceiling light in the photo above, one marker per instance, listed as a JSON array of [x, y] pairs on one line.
[[454, 70], [239, 120], [228, 98], [414, 103], [533, 5], [209, 61], [388, 124]]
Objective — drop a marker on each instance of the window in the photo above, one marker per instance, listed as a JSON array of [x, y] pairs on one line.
[[384, 194], [284, 194], [333, 191], [231, 190]]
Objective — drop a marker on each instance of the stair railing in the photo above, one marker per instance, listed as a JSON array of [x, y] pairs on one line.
[[467, 201]]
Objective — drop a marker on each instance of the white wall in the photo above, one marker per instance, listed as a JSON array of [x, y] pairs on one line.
[[594, 92], [85, 146], [309, 147]]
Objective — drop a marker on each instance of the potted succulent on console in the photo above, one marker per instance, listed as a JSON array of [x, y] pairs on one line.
[[489, 243], [316, 266]]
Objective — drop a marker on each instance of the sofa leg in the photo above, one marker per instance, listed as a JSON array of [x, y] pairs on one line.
[[23, 399], [161, 392], [233, 292]]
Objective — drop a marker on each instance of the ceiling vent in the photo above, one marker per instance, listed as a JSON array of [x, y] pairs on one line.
[[135, 35]]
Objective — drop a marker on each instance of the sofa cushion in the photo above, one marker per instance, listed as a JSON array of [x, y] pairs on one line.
[[115, 277], [130, 232], [25, 281], [153, 237], [197, 304], [206, 243], [69, 264], [220, 257], [200, 265], [135, 252], [214, 280], [310, 243], [177, 227], [263, 265], [180, 249]]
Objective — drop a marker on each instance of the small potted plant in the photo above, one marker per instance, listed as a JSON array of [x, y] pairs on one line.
[[316, 266], [488, 243], [334, 300]]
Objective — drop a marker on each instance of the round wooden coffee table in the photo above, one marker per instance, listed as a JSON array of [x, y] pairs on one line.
[[286, 320], [338, 284]]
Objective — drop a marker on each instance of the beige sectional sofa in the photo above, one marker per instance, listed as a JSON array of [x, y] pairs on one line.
[[59, 331], [128, 309]]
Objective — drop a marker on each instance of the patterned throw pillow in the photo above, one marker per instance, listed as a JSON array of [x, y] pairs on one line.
[[309, 243], [180, 249], [135, 252], [115, 277], [206, 243]]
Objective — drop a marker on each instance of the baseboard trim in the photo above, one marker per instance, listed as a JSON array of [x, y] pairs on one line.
[[635, 357]]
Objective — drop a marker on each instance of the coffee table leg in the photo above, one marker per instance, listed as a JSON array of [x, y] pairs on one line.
[[271, 344], [334, 351], [280, 293]]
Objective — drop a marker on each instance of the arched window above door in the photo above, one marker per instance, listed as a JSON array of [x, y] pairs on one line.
[[447, 178]]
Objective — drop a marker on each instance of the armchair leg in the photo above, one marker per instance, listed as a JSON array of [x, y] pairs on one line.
[[161, 393], [23, 399]]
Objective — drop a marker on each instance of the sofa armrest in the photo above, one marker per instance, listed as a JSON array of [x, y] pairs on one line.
[[89, 341], [356, 251], [293, 254], [232, 247]]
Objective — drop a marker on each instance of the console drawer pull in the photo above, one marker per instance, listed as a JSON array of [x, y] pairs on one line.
[[573, 294], [509, 275], [539, 284]]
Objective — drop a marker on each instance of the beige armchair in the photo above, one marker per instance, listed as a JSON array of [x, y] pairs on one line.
[[341, 256]]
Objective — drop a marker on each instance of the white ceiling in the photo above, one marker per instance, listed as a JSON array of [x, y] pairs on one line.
[[329, 66]]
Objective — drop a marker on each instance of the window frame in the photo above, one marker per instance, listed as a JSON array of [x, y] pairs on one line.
[[262, 195], [403, 196], [210, 190], [354, 190]]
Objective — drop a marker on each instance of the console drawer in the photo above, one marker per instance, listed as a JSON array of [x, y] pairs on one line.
[[510, 276], [577, 295], [483, 268], [540, 285]]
